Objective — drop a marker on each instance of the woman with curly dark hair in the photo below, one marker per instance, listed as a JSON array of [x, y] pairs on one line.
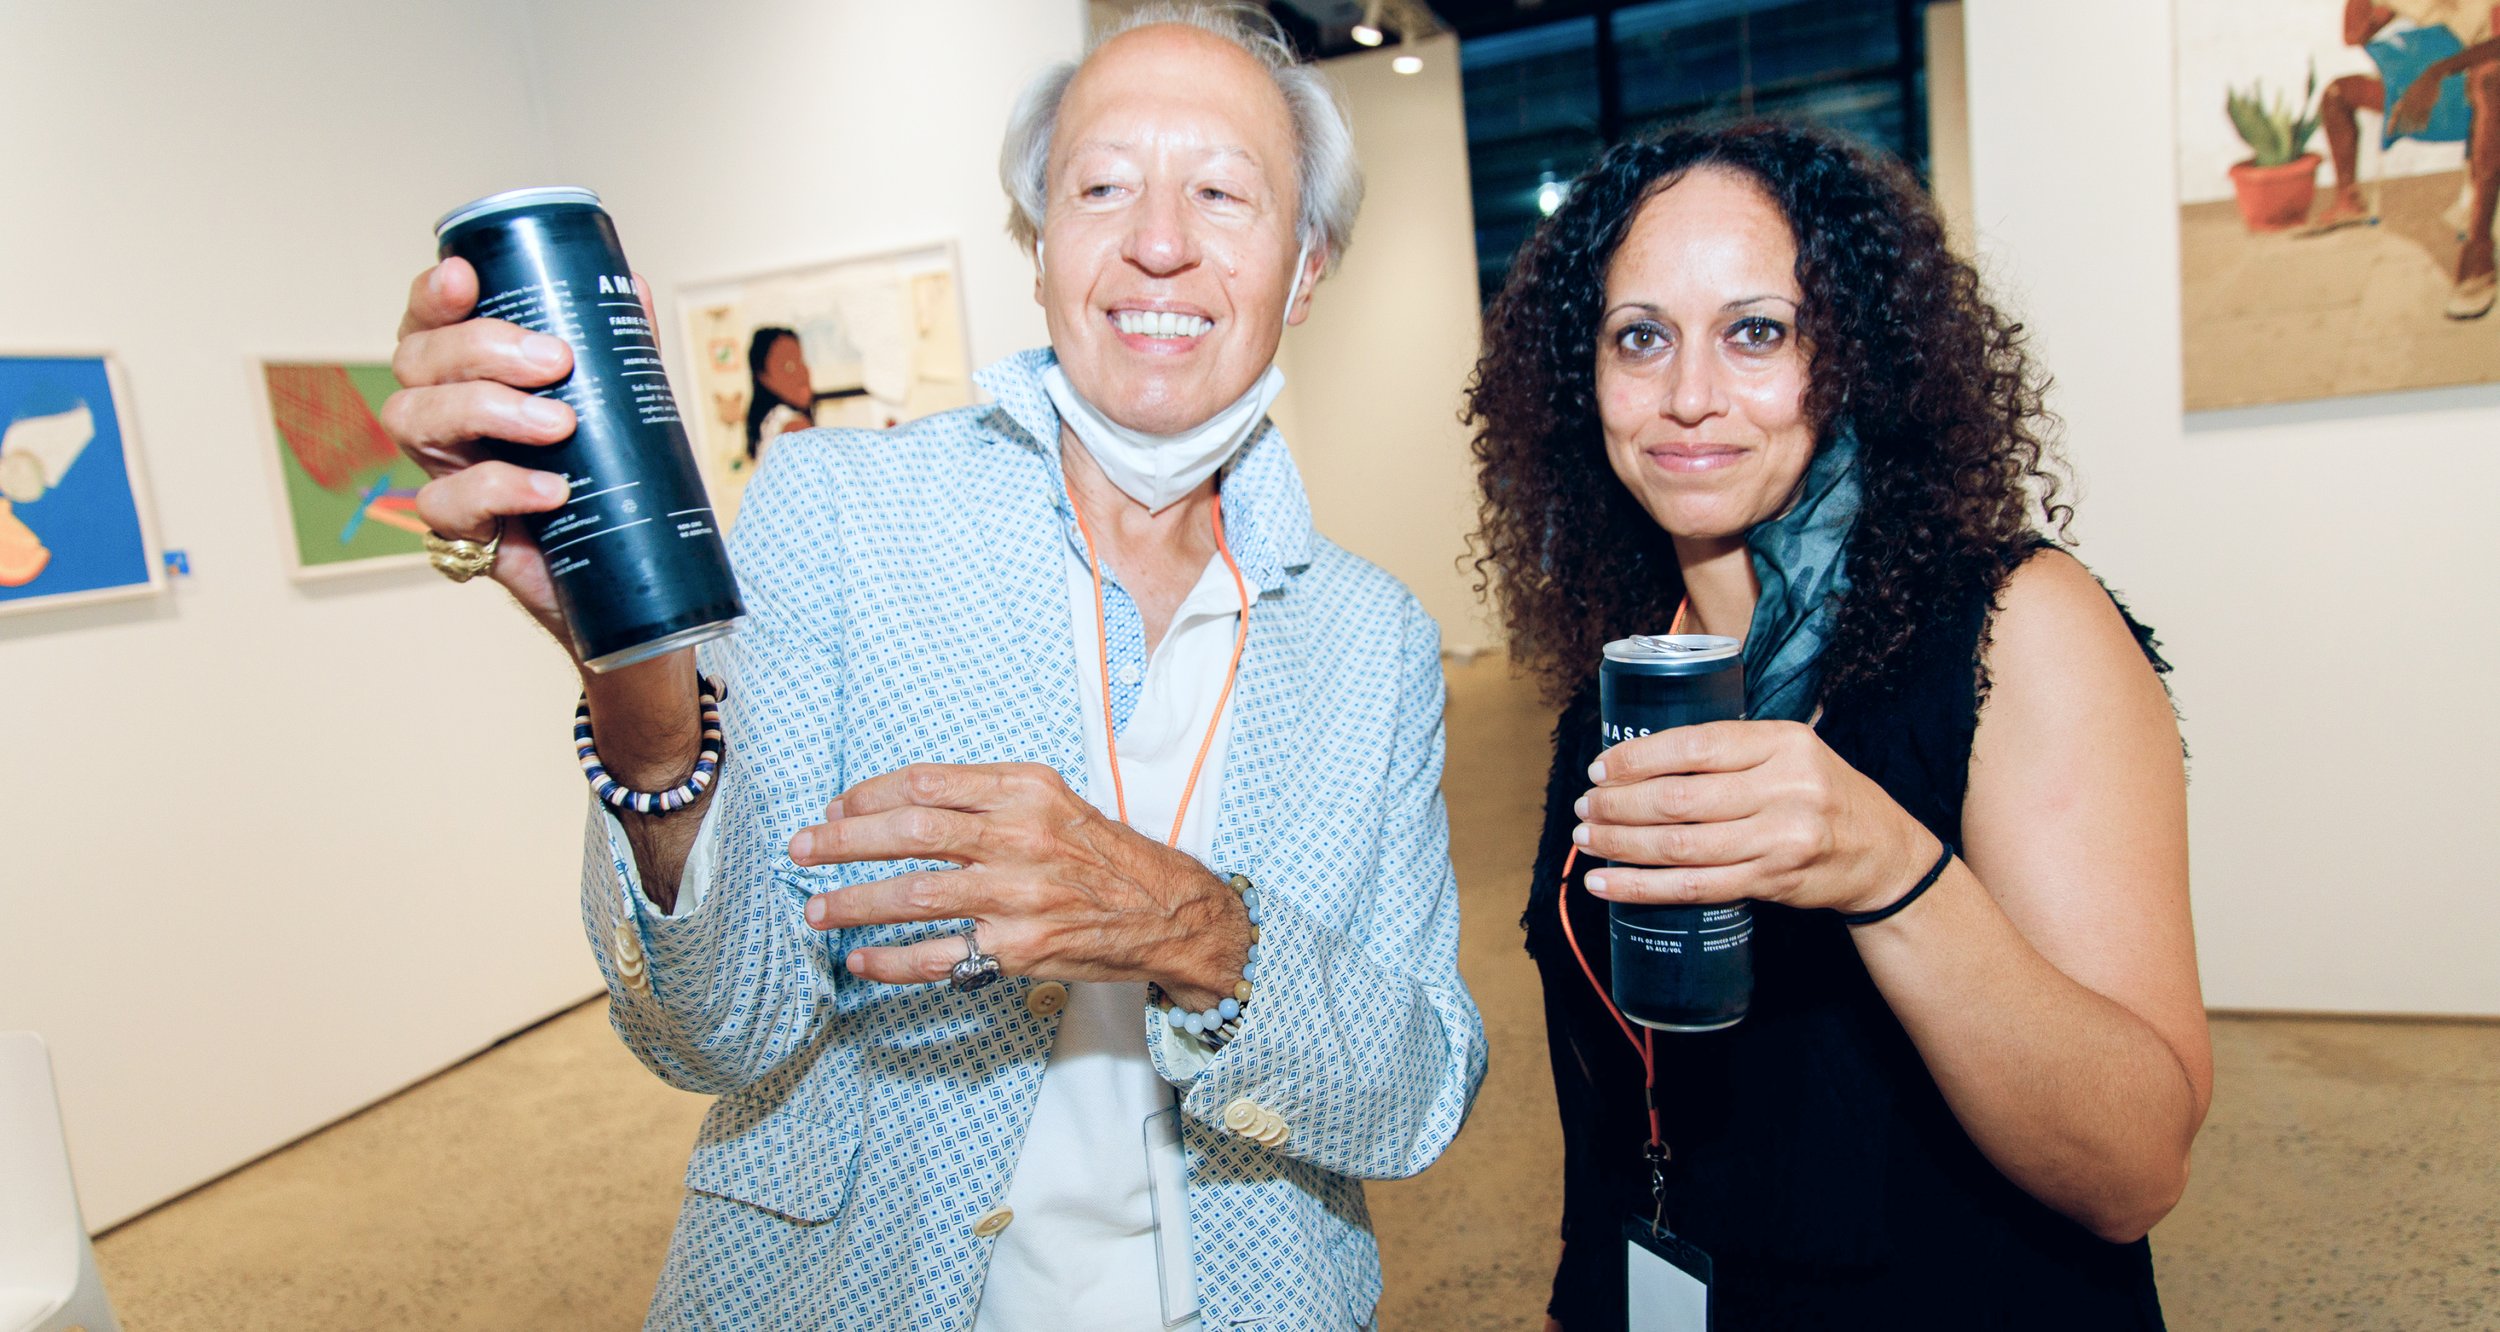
[[1738, 382]]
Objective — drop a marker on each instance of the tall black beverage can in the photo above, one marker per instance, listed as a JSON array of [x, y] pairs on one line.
[[1676, 968], [637, 559]]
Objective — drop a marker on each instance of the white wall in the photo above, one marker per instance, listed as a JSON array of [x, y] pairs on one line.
[[754, 134], [267, 853], [1374, 376], [2320, 573], [226, 894]]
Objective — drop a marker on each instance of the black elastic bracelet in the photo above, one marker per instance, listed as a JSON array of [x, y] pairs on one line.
[[1934, 872]]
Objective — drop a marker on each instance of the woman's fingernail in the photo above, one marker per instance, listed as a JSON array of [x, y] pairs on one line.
[[1597, 771], [545, 414], [1580, 808], [549, 486], [542, 351], [1597, 885], [436, 279], [1580, 835]]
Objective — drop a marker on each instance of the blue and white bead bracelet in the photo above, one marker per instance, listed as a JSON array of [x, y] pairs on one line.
[[618, 796], [1215, 1026]]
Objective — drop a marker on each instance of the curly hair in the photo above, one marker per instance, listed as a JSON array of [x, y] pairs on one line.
[[1960, 474]]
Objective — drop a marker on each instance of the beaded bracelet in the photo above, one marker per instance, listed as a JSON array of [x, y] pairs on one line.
[[620, 797], [1215, 1026]]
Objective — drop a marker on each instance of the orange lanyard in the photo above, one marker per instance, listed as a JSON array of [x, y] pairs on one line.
[[1232, 671], [1645, 1043]]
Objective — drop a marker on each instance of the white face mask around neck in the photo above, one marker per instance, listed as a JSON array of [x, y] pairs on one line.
[[1157, 470]]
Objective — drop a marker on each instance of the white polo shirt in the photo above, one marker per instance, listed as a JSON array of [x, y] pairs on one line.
[[1082, 1251]]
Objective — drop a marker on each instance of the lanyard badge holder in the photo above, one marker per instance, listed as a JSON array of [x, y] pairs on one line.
[[1167, 1167], [1667, 1280]]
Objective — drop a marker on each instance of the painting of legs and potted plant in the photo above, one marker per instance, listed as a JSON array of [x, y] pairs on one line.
[[2339, 166]]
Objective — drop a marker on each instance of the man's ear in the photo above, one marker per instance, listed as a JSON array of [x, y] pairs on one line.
[[1305, 282]]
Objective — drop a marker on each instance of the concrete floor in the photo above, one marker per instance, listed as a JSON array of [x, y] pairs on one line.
[[2349, 1176]]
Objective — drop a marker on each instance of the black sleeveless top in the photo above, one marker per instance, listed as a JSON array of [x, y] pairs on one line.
[[1814, 1159]]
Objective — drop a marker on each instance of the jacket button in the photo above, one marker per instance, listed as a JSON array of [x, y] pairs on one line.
[[1046, 999], [1271, 1130], [632, 966], [993, 1221]]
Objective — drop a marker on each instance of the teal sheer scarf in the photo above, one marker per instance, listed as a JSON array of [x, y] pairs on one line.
[[1801, 558]]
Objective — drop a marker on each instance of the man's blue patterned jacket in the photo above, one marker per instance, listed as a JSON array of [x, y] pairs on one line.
[[908, 603]]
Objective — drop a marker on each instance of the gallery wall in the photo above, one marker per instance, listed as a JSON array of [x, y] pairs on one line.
[[227, 896], [2320, 573], [734, 138], [270, 852], [1374, 376]]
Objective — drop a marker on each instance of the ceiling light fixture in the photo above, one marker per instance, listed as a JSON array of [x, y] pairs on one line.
[[1550, 194], [1367, 32]]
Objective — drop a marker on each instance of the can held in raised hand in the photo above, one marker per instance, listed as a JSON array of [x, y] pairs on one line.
[[1676, 968], [635, 553]]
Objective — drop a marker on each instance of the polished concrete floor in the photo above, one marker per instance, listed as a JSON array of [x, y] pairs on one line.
[[2348, 1178]]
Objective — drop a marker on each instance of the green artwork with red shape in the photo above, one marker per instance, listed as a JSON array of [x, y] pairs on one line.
[[350, 493]]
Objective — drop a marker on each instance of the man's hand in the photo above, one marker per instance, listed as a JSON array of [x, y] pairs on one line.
[[2412, 112], [467, 379], [1053, 888]]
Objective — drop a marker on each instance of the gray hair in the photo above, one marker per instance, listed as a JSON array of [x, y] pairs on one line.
[[1331, 184]]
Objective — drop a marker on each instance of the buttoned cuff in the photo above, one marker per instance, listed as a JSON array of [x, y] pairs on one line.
[[632, 933], [1256, 1083]]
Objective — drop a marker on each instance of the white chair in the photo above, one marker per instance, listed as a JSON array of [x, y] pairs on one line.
[[48, 1280]]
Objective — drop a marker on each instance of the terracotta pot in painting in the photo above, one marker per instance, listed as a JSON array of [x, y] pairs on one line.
[[2273, 198]]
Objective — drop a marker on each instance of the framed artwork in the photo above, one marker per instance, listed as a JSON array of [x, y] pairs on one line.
[[869, 342], [75, 525], [348, 493], [2336, 180]]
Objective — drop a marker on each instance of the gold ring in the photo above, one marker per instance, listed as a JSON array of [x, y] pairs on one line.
[[459, 559]]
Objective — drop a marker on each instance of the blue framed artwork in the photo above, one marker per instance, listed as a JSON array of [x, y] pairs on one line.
[[74, 521]]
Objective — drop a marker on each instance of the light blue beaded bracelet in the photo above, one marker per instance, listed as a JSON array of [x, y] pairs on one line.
[[1215, 1026]]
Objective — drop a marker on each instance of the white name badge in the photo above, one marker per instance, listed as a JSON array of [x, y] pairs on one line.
[[1167, 1171], [1666, 1282]]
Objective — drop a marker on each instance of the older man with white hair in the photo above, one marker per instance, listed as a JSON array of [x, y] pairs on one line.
[[1072, 926]]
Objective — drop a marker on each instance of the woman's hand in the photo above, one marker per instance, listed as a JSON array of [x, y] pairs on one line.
[[1052, 887], [1758, 810]]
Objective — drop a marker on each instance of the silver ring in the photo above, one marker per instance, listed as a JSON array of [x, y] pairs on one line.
[[976, 970]]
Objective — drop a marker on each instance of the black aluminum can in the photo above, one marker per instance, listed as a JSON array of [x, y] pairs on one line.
[[635, 553], [1676, 968]]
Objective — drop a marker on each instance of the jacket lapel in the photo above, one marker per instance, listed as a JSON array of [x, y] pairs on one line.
[[1023, 534], [1264, 751]]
